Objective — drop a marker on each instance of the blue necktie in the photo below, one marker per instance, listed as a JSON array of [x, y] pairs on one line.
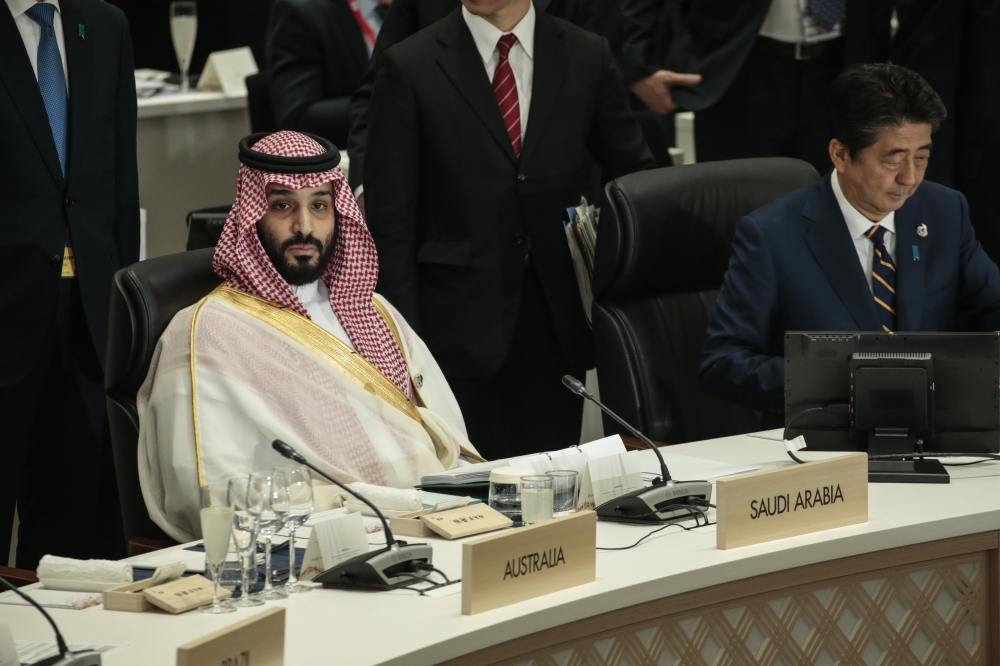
[[51, 78], [883, 279], [827, 13]]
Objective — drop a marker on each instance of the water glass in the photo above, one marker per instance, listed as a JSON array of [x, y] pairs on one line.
[[216, 530], [300, 506], [536, 498], [247, 504], [564, 491], [273, 490]]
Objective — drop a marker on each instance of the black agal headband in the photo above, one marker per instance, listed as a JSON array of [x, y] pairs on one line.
[[281, 164]]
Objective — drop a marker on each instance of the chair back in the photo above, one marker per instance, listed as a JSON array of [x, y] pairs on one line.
[[259, 103], [144, 298], [204, 226], [663, 248]]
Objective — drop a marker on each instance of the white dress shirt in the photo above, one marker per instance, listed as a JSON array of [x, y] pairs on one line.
[[369, 11], [789, 21], [486, 35], [859, 226], [316, 297], [31, 32]]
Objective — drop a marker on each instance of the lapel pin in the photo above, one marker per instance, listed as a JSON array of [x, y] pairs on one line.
[[916, 251], [82, 32], [922, 230]]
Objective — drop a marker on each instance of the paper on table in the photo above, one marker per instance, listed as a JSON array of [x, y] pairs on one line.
[[774, 435], [30, 652], [689, 468], [193, 560], [445, 591], [54, 599]]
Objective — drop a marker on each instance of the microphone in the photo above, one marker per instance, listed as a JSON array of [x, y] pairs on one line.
[[665, 500], [65, 656], [382, 569]]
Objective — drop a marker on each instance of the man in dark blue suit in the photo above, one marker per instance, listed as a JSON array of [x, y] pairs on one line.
[[869, 247]]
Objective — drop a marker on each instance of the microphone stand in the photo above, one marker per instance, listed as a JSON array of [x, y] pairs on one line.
[[666, 500], [65, 656], [396, 564]]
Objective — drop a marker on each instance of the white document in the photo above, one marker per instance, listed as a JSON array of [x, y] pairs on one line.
[[193, 560], [54, 599], [773, 435], [334, 539], [226, 71], [689, 468], [609, 477], [30, 652]]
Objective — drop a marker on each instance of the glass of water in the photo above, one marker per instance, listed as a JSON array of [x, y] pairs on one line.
[[247, 505], [273, 490], [564, 491], [183, 31], [536, 498], [300, 505]]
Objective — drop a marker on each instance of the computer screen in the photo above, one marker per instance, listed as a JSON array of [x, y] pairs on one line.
[[883, 392]]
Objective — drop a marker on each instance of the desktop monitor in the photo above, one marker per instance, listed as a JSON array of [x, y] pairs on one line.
[[888, 393]]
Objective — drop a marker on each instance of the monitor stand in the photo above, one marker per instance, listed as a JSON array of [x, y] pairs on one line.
[[920, 470]]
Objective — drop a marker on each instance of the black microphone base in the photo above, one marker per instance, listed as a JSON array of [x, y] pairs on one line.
[[83, 658], [389, 567], [657, 504]]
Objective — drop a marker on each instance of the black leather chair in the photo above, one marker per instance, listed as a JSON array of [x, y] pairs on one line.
[[259, 103], [144, 298], [663, 248]]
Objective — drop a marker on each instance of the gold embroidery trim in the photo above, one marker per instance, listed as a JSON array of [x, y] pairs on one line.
[[194, 396], [354, 366]]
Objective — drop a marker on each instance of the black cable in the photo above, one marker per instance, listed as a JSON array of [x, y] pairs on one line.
[[691, 509], [63, 648], [974, 462], [831, 409]]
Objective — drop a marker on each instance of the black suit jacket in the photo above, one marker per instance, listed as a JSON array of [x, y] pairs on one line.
[[406, 17], [316, 56], [98, 198], [451, 207], [714, 37]]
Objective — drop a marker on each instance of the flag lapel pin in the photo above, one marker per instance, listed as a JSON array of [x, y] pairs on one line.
[[82, 31]]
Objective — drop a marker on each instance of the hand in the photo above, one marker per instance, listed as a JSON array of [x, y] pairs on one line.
[[654, 90], [361, 203]]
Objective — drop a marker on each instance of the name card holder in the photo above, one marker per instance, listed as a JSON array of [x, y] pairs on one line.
[[256, 641], [800, 499], [528, 562], [184, 594], [466, 521]]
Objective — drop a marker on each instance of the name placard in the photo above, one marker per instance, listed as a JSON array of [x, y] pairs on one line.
[[466, 521], [528, 562], [779, 503], [256, 641]]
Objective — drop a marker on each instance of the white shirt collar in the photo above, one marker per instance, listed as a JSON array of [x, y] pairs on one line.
[[18, 7], [858, 224], [486, 35], [310, 293]]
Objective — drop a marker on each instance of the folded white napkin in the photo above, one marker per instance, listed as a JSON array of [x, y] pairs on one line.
[[52, 567], [393, 499]]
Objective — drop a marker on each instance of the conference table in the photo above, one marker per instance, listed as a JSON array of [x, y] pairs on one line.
[[917, 584]]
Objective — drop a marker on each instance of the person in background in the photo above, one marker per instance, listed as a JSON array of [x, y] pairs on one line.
[[479, 128], [869, 247], [294, 345], [317, 52], [70, 196], [764, 68], [407, 17]]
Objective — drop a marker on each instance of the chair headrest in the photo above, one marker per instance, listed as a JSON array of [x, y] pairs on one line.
[[671, 229], [144, 298]]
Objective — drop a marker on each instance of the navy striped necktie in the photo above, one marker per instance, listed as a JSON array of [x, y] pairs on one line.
[[883, 279]]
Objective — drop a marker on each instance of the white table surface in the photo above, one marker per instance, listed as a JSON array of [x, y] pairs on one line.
[[177, 104], [327, 626]]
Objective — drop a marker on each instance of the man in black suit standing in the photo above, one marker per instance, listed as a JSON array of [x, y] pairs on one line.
[[407, 17], [317, 52], [69, 187], [480, 125], [765, 67]]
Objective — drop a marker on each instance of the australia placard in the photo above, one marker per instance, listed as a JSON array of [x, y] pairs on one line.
[[794, 500], [528, 562]]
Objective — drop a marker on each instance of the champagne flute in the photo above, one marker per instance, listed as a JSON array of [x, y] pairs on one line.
[[247, 500], [300, 505], [183, 30], [216, 530], [274, 508]]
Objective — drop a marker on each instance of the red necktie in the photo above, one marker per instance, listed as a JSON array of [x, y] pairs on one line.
[[505, 88]]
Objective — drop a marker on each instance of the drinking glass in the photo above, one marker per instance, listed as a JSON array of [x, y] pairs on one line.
[[300, 505], [563, 491], [216, 530], [183, 30], [247, 505], [536, 498], [274, 508]]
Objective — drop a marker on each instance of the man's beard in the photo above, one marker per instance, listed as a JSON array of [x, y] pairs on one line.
[[299, 270]]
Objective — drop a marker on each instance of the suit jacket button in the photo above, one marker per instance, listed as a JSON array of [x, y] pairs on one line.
[[518, 239], [521, 177], [57, 259], [68, 202]]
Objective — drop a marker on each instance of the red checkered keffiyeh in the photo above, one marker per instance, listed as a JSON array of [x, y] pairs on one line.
[[241, 261]]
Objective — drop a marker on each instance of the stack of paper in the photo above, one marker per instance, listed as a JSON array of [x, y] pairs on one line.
[[581, 235]]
